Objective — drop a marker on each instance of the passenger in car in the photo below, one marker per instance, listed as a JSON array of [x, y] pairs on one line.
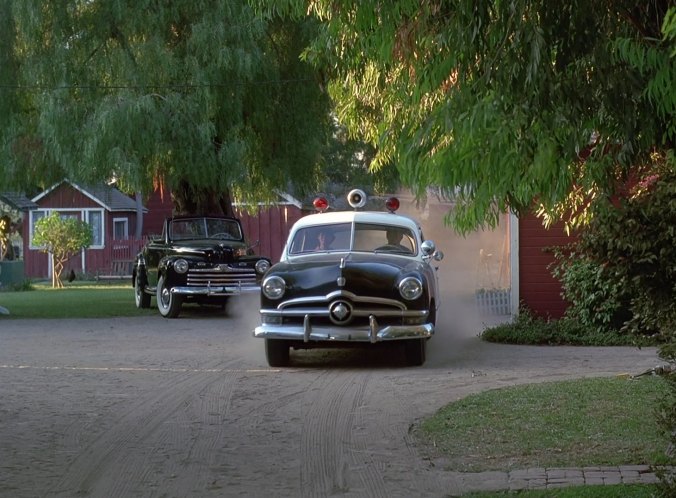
[[324, 240]]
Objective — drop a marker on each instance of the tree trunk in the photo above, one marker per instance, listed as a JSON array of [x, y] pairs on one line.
[[139, 215], [190, 200]]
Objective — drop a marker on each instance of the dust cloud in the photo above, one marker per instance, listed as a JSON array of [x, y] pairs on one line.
[[478, 260]]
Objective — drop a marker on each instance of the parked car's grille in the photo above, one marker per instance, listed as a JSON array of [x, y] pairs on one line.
[[215, 276]]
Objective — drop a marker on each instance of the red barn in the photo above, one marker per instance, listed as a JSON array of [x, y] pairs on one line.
[[533, 284], [267, 226], [112, 216]]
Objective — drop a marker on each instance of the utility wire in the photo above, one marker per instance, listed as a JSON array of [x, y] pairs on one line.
[[183, 86]]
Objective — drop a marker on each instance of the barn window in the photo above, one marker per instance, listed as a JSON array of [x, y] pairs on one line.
[[36, 215], [120, 228], [95, 220]]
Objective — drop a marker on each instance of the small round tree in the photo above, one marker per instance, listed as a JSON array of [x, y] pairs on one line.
[[62, 238]]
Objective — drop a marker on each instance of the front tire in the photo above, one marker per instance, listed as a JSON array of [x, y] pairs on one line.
[[141, 298], [168, 303], [414, 351], [277, 352]]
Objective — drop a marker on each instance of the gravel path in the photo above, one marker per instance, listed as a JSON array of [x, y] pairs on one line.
[[151, 407]]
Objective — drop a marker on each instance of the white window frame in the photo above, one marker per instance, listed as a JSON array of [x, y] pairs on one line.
[[86, 216], [82, 214], [125, 222], [31, 225]]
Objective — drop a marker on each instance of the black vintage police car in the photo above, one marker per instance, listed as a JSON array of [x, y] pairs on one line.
[[200, 259], [351, 278]]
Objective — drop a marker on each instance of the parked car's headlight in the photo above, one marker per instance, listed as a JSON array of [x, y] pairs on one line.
[[262, 265], [273, 287], [410, 288], [180, 266]]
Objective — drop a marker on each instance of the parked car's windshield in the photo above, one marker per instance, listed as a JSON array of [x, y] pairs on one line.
[[367, 237], [204, 228]]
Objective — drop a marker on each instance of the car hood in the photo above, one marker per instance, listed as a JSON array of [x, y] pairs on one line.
[[320, 274], [216, 251]]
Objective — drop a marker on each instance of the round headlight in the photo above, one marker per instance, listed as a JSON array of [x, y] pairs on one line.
[[410, 288], [180, 266], [273, 287], [262, 265]]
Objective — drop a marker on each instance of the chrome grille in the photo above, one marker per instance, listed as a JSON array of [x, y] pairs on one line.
[[223, 275]]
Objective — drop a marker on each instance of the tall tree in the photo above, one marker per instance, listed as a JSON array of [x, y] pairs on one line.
[[502, 102], [200, 96]]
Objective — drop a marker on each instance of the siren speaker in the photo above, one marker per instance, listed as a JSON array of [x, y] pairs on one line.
[[356, 198]]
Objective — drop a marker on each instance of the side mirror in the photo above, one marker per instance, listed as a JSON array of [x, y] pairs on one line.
[[429, 250]]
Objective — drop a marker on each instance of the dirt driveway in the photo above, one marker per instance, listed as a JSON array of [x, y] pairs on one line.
[[188, 407]]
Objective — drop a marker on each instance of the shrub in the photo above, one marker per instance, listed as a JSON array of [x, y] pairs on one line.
[[635, 245], [530, 329], [597, 300]]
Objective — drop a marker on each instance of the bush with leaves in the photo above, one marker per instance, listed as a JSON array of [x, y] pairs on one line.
[[528, 328], [598, 301], [634, 245], [62, 238]]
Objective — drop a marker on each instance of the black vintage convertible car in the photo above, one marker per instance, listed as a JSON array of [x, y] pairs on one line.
[[200, 259], [351, 278]]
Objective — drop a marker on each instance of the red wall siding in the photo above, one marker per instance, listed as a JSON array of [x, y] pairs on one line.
[[270, 226], [65, 196], [538, 289], [159, 207]]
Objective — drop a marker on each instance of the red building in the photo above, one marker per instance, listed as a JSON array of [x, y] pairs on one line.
[[112, 216], [533, 284]]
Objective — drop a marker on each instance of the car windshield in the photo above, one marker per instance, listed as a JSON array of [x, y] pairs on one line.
[[367, 237], [205, 228]]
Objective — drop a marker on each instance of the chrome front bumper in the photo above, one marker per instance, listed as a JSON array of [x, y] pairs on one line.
[[215, 290], [372, 333]]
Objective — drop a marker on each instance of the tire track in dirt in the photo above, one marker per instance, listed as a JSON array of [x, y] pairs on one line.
[[206, 415], [120, 457], [328, 446]]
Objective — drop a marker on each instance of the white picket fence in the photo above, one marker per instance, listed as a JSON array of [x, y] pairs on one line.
[[492, 302]]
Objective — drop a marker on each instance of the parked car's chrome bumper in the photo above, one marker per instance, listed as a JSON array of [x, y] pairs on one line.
[[371, 333], [215, 290]]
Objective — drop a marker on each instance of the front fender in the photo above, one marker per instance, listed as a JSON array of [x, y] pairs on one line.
[[138, 270], [165, 269]]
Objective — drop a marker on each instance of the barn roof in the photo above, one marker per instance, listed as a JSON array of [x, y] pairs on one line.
[[107, 196], [17, 201]]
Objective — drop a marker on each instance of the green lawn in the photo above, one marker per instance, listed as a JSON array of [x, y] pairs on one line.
[[606, 421], [76, 300]]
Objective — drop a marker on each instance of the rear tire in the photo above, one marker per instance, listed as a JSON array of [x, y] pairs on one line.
[[414, 351], [277, 352], [141, 297], [168, 304]]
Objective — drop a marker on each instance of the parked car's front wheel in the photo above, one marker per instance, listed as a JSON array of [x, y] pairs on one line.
[[141, 298], [277, 352], [169, 304]]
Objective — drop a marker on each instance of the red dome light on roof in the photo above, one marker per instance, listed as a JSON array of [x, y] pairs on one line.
[[321, 204], [392, 204]]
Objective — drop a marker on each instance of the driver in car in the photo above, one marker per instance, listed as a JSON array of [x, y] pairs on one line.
[[394, 239]]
